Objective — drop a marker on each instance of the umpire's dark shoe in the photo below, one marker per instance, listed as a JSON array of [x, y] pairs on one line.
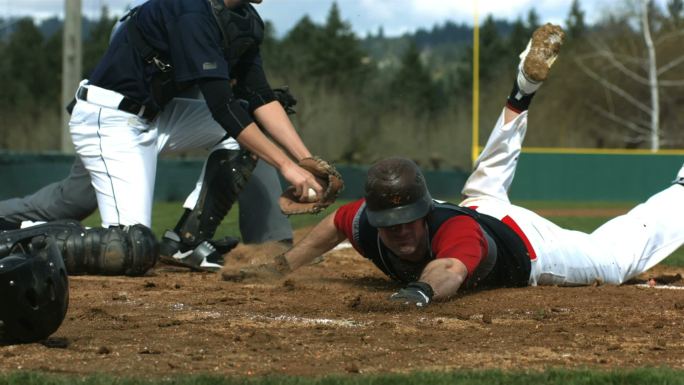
[[204, 256]]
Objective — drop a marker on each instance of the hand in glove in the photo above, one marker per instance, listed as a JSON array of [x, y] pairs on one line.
[[417, 294]]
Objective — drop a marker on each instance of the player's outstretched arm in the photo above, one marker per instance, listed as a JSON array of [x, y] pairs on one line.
[[322, 238], [445, 275], [440, 280]]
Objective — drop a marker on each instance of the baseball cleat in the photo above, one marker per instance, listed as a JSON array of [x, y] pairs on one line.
[[536, 60], [205, 256], [680, 177], [542, 52]]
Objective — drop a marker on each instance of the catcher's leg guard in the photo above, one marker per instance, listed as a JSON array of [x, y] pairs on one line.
[[131, 251], [189, 244], [114, 251]]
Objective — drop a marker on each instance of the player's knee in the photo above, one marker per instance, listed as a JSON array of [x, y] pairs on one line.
[[82, 210]]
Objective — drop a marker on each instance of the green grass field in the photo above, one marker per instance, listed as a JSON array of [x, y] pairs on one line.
[[165, 216], [660, 376]]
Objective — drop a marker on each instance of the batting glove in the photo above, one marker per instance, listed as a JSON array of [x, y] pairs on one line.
[[415, 293]]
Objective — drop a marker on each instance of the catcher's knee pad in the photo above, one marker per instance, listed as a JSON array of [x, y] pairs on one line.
[[225, 176], [113, 251]]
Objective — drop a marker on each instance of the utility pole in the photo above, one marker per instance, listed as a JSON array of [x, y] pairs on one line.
[[71, 64]]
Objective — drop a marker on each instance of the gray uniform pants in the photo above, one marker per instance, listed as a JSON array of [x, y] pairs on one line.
[[74, 198]]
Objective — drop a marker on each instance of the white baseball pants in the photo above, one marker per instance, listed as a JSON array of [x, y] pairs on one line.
[[120, 149], [615, 252]]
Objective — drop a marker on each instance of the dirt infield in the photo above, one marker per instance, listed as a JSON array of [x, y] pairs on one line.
[[333, 317]]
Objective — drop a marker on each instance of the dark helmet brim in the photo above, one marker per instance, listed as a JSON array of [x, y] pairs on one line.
[[401, 214]]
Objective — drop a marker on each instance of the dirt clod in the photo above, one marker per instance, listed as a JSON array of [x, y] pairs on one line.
[[103, 350]]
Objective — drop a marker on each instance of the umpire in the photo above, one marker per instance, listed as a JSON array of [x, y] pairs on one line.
[[163, 48]]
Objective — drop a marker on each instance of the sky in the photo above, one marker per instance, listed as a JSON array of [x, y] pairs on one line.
[[395, 16]]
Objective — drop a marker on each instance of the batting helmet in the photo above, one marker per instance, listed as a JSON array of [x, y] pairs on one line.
[[34, 291], [396, 193]]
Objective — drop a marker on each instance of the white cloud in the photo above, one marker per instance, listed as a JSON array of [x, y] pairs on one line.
[[445, 9], [381, 10]]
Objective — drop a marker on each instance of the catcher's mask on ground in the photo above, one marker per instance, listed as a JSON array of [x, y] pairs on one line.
[[396, 193], [34, 291]]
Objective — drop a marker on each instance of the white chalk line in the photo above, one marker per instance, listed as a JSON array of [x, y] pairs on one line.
[[308, 321], [279, 318], [666, 287]]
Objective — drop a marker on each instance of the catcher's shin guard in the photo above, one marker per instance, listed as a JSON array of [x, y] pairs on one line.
[[114, 251], [225, 176]]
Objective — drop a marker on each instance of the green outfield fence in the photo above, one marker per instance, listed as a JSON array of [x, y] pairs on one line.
[[544, 176]]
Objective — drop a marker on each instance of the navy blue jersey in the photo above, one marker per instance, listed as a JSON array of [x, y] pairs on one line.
[[184, 33]]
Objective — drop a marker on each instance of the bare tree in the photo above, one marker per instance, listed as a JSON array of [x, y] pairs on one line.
[[630, 72], [652, 77]]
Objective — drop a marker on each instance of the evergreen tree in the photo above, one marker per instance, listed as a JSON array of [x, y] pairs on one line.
[[98, 41], [5, 76], [53, 61], [328, 55], [532, 21], [492, 49], [271, 50], [674, 8], [297, 52], [575, 25], [412, 87], [518, 37], [30, 80], [338, 54]]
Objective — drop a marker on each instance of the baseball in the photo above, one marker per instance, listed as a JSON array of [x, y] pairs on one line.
[[311, 195]]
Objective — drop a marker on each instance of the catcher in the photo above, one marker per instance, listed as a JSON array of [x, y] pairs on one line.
[[436, 248], [129, 111]]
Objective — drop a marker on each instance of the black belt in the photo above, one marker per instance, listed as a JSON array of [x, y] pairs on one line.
[[127, 105]]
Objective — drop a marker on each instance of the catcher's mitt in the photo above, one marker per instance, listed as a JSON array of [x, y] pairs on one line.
[[326, 176]]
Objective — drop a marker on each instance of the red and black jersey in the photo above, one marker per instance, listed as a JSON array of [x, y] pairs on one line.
[[491, 251]]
